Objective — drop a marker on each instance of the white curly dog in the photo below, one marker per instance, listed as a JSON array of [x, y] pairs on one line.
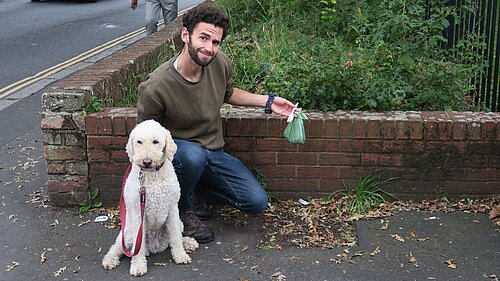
[[151, 149]]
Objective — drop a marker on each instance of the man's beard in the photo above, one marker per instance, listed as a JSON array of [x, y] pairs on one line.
[[193, 53]]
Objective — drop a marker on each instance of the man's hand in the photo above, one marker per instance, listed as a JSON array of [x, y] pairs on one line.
[[282, 106], [133, 4]]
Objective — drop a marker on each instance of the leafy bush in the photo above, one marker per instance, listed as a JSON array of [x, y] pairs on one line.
[[351, 54]]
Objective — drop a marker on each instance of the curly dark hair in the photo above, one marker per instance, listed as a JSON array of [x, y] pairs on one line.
[[207, 14]]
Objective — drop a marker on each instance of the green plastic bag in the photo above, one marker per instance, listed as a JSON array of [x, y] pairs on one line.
[[294, 131]]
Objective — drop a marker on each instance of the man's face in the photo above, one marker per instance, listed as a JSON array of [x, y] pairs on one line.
[[204, 43]]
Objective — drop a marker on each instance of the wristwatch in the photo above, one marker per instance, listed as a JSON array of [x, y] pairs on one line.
[[269, 102]]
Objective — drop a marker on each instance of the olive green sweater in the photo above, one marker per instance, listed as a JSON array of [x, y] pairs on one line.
[[190, 111]]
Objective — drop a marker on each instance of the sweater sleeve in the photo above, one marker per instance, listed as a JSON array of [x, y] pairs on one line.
[[148, 106]]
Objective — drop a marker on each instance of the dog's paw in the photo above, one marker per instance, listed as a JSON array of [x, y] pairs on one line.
[[181, 257], [110, 262], [189, 244], [138, 266]]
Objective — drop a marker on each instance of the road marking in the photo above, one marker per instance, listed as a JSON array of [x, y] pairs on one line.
[[61, 66]]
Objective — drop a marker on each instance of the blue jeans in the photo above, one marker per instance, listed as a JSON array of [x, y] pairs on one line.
[[217, 175]]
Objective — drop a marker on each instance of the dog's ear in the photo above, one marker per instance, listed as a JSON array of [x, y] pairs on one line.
[[170, 146], [129, 148]]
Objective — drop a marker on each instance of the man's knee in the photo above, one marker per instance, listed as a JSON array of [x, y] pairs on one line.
[[257, 203], [190, 156]]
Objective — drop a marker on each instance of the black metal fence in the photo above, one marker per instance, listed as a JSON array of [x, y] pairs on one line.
[[480, 17]]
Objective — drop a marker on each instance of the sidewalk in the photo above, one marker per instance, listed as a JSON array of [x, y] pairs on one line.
[[40, 243]]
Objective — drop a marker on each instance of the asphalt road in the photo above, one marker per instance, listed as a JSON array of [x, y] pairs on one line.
[[38, 35]]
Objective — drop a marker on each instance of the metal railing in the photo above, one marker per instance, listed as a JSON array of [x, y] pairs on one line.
[[482, 18]]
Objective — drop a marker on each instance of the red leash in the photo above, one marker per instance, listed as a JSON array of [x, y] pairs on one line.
[[123, 216]]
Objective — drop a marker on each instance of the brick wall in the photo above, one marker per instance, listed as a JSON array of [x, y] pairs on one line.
[[426, 151]]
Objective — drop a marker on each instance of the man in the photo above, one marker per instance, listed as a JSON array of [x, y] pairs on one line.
[[185, 95], [153, 7]]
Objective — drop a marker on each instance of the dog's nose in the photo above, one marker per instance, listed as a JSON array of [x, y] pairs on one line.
[[147, 163]]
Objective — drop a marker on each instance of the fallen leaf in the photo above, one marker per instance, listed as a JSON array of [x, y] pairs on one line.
[[60, 271], [412, 260], [13, 265], [495, 212], [422, 239], [384, 227], [245, 249], [397, 237], [376, 252], [451, 264], [159, 264], [43, 258], [294, 258], [412, 234], [84, 222], [228, 260]]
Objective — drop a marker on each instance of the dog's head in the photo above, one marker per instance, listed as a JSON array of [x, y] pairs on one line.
[[150, 145]]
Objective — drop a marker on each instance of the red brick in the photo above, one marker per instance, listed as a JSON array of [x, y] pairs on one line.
[[260, 127], [388, 129], [67, 184], [278, 171], [239, 144], [488, 130], [366, 145], [131, 123], [99, 155], [275, 127], [331, 185], [274, 145], [359, 128], [446, 147], [459, 130], [331, 128], [314, 128], [261, 158], [108, 168], [119, 156], [373, 129], [105, 125], [381, 160], [339, 159], [402, 129], [247, 127], [321, 145], [484, 174], [445, 130], [473, 130], [416, 129], [292, 184], [64, 153], [233, 127], [431, 131], [403, 146], [119, 125], [317, 172], [293, 158], [345, 128], [57, 121]]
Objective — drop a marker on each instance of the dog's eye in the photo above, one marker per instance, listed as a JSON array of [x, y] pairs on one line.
[[139, 142], [155, 142]]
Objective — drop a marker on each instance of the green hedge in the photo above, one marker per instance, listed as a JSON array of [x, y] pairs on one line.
[[352, 55]]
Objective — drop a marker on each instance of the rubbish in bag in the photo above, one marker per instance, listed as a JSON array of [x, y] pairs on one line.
[[294, 131]]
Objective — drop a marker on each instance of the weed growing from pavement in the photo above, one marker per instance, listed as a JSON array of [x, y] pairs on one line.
[[367, 194]]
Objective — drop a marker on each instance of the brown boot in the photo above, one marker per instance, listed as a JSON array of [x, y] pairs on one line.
[[193, 227]]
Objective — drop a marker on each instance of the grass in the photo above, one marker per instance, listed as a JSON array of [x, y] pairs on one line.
[[365, 195]]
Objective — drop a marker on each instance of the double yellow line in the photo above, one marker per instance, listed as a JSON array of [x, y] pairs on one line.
[[88, 54], [56, 68]]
